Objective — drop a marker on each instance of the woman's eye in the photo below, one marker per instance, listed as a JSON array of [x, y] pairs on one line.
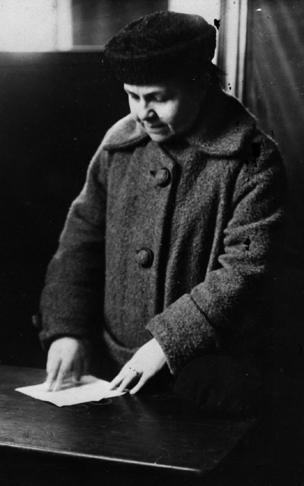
[[160, 99]]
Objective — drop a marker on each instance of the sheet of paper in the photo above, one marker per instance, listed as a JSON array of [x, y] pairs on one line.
[[89, 389]]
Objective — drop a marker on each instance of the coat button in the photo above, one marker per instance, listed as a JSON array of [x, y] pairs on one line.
[[144, 257], [162, 177]]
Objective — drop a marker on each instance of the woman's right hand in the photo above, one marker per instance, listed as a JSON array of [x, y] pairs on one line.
[[66, 356]]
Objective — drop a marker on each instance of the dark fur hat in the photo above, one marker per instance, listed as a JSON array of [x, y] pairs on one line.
[[160, 46]]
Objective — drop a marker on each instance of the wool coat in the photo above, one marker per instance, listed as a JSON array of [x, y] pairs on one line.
[[170, 240]]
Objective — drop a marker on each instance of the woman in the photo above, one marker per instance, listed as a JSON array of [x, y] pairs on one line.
[[165, 250]]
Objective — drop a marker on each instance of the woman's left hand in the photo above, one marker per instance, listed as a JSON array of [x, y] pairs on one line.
[[145, 363]]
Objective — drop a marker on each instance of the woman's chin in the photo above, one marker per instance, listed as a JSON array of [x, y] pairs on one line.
[[159, 135]]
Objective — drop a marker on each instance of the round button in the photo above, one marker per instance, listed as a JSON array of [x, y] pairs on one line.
[[163, 177], [144, 257]]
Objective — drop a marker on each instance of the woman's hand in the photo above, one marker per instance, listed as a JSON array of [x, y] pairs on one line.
[[145, 363], [67, 355]]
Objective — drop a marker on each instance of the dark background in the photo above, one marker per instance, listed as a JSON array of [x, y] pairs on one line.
[[55, 108], [274, 92]]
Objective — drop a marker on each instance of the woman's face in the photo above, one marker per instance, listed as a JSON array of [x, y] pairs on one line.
[[164, 110]]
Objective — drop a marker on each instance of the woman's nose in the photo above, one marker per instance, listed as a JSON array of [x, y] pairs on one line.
[[145, 112]]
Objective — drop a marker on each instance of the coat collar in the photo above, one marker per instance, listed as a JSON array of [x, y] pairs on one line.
[[124, 134], [222, 129], [224, 126]]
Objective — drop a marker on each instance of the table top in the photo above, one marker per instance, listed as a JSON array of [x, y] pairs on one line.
[[152, 431]]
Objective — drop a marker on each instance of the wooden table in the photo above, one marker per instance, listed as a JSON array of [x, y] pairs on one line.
[[142, 439]]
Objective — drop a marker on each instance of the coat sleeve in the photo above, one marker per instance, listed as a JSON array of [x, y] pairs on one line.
[[196, 320], [72, 296]]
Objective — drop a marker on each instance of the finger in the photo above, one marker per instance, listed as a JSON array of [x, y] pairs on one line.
[[139, 385], [52, 371], [116, 381], [78, 370], [60, 376], [126, 381]]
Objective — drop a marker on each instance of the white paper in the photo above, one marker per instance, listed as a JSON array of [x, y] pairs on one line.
[[89, 389]]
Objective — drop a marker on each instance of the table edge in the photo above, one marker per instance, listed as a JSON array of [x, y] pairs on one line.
[[101, 458]]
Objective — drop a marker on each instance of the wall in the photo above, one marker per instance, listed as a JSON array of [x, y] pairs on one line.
[[95, 21], [275, 83], [55, 109], [275, 94]]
